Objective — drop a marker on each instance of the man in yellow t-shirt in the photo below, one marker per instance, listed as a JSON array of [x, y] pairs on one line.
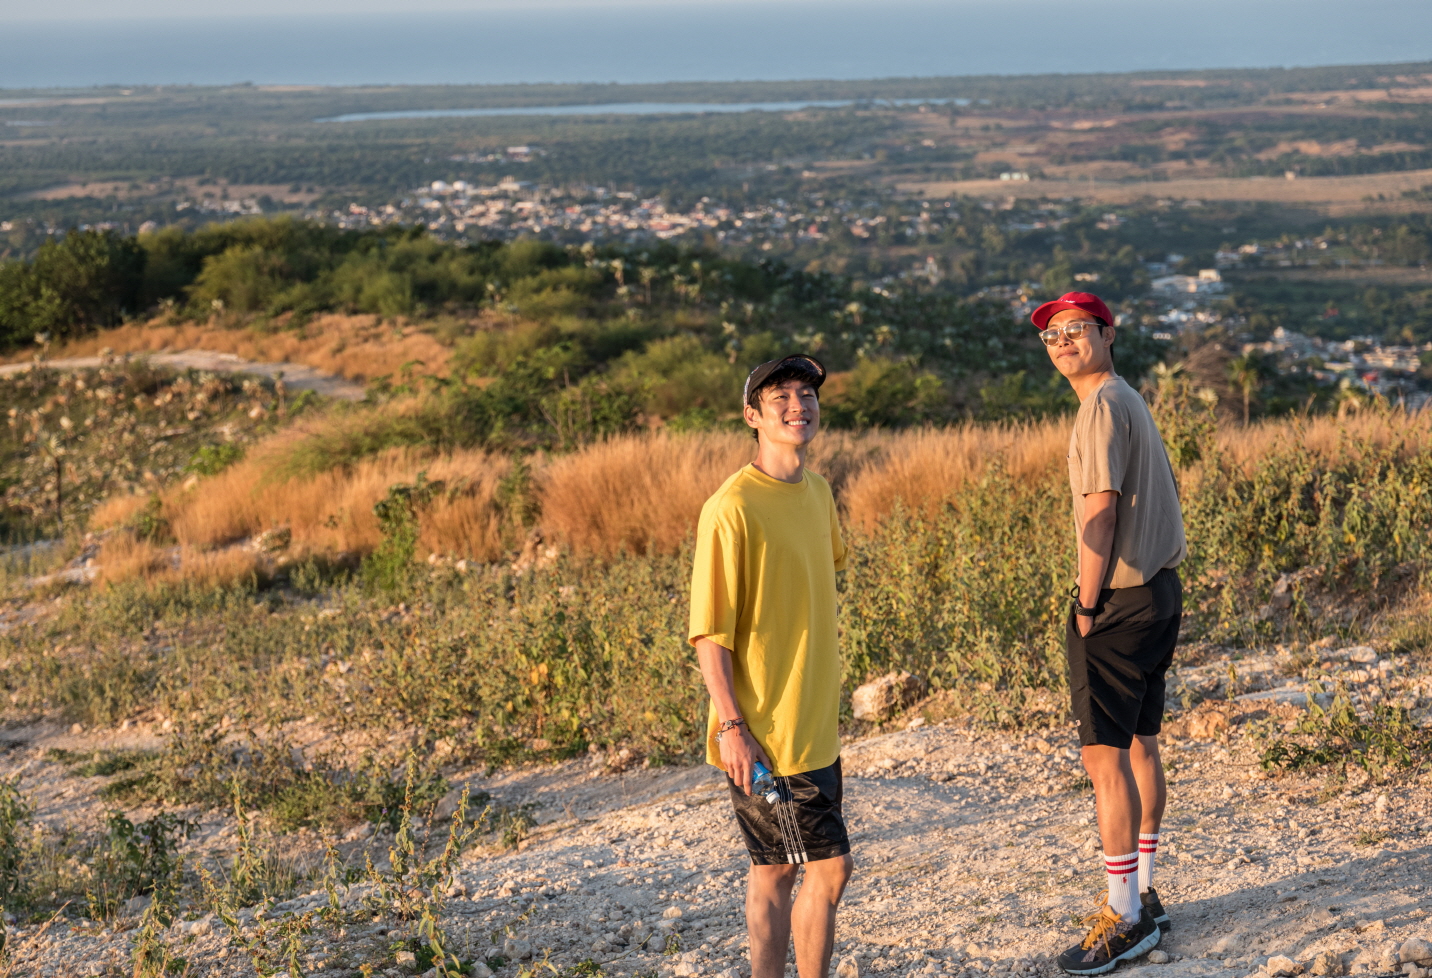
[[763, 623]]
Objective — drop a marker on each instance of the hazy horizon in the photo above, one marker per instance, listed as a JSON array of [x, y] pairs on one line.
[[695, 40]]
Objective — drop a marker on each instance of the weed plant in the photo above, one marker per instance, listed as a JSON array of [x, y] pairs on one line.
[[16, 821], [134, 859], [1379, 739], [206, 767]]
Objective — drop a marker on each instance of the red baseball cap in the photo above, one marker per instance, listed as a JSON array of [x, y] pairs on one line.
[[1083, 301]]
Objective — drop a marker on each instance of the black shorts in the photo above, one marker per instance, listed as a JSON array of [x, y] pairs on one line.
[[1117, 671], [806, 825]]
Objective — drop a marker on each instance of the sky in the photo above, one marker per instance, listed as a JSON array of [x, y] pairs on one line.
[[345, 42], [29, 10]]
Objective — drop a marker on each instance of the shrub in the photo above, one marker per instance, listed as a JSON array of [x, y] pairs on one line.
[[213, 459], [16, 818], [81, 281], [134, 859], [888, 393], [387, 568], [678, 374]]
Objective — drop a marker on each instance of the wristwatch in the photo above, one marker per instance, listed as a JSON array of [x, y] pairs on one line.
[[1079, 608]]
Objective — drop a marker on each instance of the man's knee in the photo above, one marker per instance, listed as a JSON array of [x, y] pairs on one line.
[[1101, 761], [831, 874], [775, 876]]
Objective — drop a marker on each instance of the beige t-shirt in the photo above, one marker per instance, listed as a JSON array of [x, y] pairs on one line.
[[1116, 445]]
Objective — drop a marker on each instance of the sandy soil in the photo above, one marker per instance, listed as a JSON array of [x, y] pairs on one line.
[[976, 853]]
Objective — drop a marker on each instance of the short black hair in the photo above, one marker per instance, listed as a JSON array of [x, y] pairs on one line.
[[796, 369]]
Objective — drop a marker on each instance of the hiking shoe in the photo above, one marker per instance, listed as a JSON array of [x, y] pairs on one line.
[[1153, 908], [1110, 940]]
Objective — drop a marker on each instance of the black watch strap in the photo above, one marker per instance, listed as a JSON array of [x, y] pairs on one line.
[[1079, 608]]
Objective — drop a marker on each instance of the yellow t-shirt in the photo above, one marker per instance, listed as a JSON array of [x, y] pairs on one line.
[[764, 587]]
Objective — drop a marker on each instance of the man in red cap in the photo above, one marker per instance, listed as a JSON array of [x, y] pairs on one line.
[[1124, 622]]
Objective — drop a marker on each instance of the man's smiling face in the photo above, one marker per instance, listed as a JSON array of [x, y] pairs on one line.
[[1089, 354], [789, 415]]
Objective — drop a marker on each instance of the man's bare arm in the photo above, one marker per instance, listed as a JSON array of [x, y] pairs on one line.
[[1096, 545], [739, 750]]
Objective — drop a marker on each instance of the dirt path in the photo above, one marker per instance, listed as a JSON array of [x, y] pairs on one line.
[[296, 376], [976, 853]]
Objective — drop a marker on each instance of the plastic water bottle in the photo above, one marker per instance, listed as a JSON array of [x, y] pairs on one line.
[[764, 784]]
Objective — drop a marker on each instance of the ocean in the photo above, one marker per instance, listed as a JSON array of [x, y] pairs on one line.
[[700, 40]]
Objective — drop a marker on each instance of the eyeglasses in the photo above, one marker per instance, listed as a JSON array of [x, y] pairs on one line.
[[1052, 334]]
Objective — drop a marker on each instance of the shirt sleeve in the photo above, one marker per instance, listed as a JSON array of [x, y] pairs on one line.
[[837, 542], [716, 579], [1105, 457]]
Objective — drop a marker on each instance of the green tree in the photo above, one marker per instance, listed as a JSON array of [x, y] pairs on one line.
[[1249, 372], [82, 281]]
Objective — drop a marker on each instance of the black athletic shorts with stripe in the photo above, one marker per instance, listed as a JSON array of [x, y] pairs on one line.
[[806, 825]]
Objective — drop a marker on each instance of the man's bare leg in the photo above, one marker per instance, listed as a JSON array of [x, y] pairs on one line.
[[813, 918], [1116, 798], [768, 918], [1148, 771]]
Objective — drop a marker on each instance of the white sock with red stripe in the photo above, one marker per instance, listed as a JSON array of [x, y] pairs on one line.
[[1124, 885], [1148, 848]]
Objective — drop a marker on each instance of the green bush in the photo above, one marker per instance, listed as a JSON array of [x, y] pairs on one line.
[[82, 281], [679, 374], [390, 565], [16, 820], [213, 459], [133, 859], [974, 597], [888, 393], [675, 329]]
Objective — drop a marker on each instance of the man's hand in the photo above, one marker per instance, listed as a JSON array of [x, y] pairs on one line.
[[739, 754], [1084, 623], [739, 750]]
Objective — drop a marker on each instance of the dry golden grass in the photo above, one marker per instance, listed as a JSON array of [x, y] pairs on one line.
[[639, 493], [923, 468], [643, 493], [117, 510], [1329, 436], [126, 557], [333, 512], [635, 494], [356, 347]]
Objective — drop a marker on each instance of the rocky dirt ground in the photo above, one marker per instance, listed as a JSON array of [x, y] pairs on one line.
[[976, 855]]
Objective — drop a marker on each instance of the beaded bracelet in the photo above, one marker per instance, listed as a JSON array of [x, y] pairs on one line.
[[731, 724]]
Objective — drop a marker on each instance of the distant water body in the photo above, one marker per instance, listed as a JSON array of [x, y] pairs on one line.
[[631, 108], [702, 40]]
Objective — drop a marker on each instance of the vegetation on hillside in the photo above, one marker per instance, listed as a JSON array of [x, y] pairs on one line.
[[552, 347], [541, 648]]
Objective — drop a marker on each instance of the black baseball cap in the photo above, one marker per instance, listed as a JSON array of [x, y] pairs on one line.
[[801, 364]]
